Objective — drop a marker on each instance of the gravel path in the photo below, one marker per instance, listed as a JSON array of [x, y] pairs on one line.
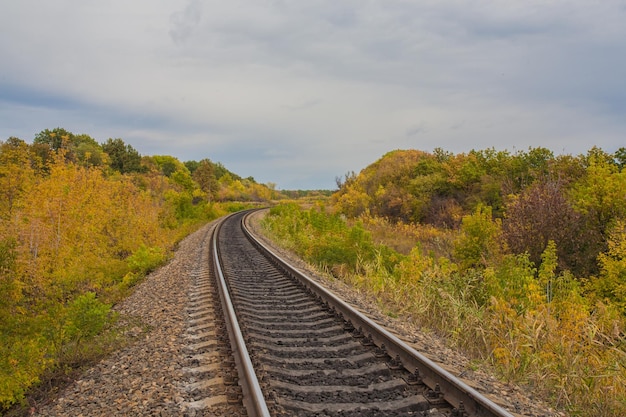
[[159, 374]]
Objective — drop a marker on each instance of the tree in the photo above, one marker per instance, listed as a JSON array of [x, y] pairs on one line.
[[81, 149], [478, 244], [17, 173], [123, 158], [56, 139], [542, 213], [597, 156], [620, 158], [88, 152], [192, 166], [204, 175], [611, 282], [599, 193]]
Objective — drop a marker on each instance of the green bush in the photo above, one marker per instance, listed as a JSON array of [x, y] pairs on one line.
[[86, 317], [146, 259], [327, 239]]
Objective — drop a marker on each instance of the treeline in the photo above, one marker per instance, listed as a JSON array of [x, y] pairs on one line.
[[520, 259], [80, 224], [577, 202]]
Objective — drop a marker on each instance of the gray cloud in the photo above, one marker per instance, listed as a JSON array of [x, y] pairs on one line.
[[184, 22]]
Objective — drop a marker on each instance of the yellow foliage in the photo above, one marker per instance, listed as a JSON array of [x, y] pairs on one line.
[[74, 237], [571, 352], [22, 361], [611, 282], [75, 221]]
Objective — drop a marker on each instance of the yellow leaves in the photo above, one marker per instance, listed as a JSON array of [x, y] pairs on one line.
[[16, 175], [601, 192], [71, 234], [415, 266], [548, 265], [502, 356], [611, 282], [75, 228], [534, 293], [352, 200]]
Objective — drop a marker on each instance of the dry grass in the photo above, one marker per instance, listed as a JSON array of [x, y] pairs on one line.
[[403, 237]]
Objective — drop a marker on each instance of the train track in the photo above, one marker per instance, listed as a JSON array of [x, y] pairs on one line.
[[301, 351]]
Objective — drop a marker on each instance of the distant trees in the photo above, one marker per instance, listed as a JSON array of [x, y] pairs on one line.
[[55, 139], [391, 187], [204, 175], [478, 244], [435, 188], [81, 149], [599, 193], [620, 158], [220, 184], [611, 282]]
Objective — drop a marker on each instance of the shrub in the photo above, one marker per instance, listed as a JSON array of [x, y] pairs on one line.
[[22, 361], [86, 316], [146, 259], [479, 241]]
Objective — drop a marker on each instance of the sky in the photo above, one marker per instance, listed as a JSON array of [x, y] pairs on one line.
[[299, 92]]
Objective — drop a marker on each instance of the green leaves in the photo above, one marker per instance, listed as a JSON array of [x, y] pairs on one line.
[[146, 259], [327, 240], [123, 158], [86, 316]]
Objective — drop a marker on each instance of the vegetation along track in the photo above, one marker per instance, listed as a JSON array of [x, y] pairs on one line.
[[302, 351]]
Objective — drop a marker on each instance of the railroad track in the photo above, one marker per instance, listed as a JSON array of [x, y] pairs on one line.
[[301, 351]]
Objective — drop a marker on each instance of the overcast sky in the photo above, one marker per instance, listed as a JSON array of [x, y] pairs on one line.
[[297, 92]]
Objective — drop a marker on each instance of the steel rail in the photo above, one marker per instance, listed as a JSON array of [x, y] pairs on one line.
[[454, 391], [253, 398]]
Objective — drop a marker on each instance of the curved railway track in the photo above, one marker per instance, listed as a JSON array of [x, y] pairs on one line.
[[301, 351]]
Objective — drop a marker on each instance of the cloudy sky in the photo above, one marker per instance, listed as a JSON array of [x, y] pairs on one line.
[[297, 92]]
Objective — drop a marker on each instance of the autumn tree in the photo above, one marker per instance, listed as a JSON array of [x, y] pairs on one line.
[[479, 242], [204, 175], [397, 186], [611, 281], [599, 193], [56, 139], [542, 213], [88, 152], [18, 167]]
